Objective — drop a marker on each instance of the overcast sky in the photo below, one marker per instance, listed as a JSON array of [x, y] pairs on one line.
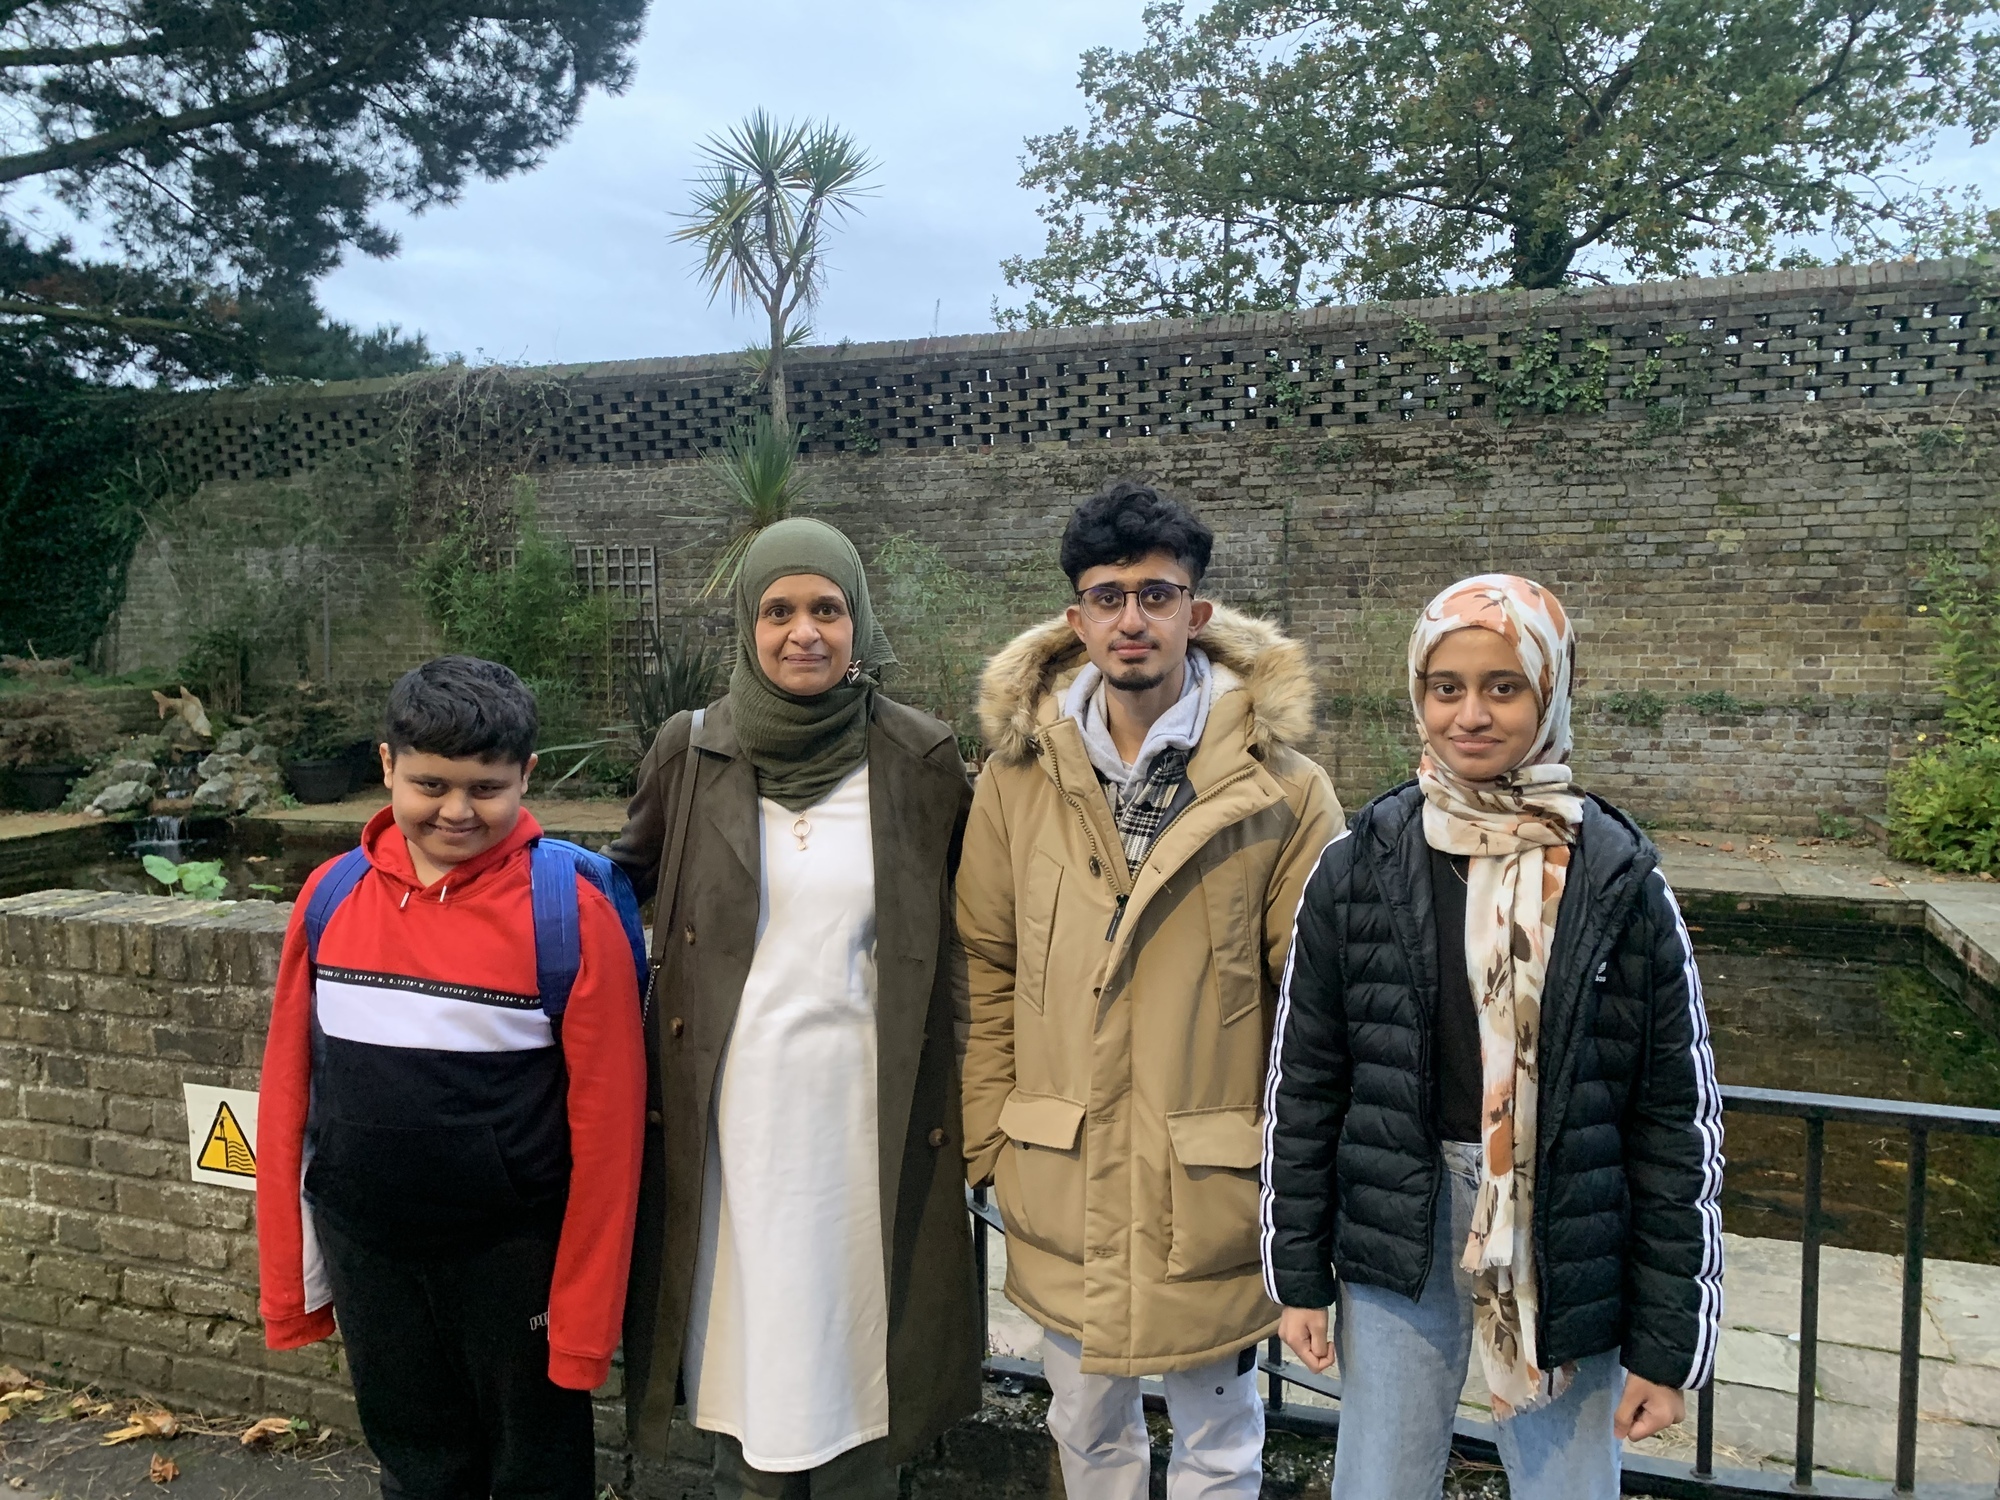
[[573, 262]]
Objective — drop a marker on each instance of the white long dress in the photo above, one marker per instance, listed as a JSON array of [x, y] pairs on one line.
[[787, 1347]]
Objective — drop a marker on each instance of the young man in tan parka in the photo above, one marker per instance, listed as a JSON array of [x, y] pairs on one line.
[[1133, 863]]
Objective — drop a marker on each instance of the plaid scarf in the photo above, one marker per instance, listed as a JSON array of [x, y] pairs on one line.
[[1142, 808]]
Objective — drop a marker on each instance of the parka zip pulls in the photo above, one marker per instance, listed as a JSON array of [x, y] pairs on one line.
[[1089, 835]]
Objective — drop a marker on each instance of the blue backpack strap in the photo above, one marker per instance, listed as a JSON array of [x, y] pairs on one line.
[[554, 865], [334, 887]]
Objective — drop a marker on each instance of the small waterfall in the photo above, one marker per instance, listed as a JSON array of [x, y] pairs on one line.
[[165, 836]]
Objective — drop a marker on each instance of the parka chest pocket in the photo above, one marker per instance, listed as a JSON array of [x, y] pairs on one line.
[[1216, 1156], [1034, 929], [1235, 938]]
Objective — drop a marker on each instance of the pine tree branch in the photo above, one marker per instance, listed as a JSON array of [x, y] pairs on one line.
[[10, 307]]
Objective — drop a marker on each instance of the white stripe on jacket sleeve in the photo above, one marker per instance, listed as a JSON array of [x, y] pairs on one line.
[[1273, 1075], [1708, 1131]]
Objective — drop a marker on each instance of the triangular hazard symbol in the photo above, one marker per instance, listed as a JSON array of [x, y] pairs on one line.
[[225, 1150]]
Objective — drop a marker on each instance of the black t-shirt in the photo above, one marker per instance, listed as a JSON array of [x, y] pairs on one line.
[[1459, 1080]]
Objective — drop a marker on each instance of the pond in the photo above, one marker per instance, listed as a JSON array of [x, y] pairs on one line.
[[1850, 1007], [261, 860], [1828, 999]]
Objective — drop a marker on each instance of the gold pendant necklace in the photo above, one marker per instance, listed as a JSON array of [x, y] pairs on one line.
[[802, 830]]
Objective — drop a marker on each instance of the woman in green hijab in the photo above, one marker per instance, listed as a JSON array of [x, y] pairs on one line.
[[802, 1281]]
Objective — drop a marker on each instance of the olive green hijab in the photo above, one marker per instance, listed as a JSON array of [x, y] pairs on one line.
[[803, 747]]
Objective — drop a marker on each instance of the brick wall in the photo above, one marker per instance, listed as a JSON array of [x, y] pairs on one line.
[[1752, 535], [113, 1266]]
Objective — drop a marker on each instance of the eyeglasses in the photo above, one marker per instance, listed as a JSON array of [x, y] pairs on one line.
[[1157, 601]]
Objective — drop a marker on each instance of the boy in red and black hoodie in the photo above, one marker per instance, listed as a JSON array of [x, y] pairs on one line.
[[423, 1105]]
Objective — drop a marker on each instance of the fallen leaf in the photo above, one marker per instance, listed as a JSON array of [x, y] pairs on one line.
[[17, 1483], [266, 1429], [1727, 848], [163, 1470], [144, 1424], [1883, 880], [11, 1379], [6, 1414], [25, 1394]]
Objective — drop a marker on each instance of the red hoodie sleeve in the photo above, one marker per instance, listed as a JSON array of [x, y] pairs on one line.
[[604, 1051], [292, 1290]]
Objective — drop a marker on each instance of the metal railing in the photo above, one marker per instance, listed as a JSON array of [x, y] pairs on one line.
[[1679, 1477]]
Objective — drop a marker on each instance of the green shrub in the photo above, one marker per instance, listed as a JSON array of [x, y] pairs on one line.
[[945, 621], [1944, 807], [525, 610], [1964, 599], [686, 672]]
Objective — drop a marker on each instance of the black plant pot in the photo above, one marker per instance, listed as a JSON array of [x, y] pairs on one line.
[[39, 788], [320, 780]]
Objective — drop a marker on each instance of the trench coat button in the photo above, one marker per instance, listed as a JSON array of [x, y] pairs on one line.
[[689, 934], [936, 1137], [677, 1026], [1096, 867], [654, 1117]]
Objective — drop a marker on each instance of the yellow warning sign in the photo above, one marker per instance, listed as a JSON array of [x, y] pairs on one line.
[[225, 1149], [222, 1136]]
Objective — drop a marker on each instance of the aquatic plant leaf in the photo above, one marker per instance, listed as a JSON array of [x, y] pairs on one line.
[[161, 869], [202, 879]]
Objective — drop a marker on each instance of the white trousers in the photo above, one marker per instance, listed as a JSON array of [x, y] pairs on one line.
[[1100, 1429]]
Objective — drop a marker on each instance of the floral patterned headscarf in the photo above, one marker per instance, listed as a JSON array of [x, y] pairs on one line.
[[1516, 830]]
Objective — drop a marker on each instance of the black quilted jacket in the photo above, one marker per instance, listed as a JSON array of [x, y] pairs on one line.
[[1628, 1229]]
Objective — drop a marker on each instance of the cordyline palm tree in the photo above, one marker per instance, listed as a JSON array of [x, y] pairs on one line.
[[758, 469], [762, 209]]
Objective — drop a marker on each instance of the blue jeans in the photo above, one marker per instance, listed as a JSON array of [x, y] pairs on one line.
[[1403, 1364]]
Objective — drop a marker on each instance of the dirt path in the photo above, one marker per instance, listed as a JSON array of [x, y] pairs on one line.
[[54, 1450]]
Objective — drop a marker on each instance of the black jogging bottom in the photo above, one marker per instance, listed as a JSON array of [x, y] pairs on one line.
[[449, 1354]]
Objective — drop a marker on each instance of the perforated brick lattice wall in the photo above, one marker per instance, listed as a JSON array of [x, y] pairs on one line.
[[1875, 334]]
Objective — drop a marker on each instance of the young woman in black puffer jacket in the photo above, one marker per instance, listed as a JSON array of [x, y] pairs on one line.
[[1492, 1121]]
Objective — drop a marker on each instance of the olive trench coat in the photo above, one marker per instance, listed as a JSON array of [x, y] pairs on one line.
[[918, 799]]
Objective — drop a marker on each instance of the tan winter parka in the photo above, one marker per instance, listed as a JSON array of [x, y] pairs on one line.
[[1121, 1019]]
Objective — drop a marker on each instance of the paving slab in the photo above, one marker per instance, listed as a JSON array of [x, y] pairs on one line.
[[28, 825]]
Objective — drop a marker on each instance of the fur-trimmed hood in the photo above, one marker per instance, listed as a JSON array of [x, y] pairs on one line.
[[1017, 691]]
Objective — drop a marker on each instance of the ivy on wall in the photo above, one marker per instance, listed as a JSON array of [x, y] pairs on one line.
[[1533, 376], [76, 480]]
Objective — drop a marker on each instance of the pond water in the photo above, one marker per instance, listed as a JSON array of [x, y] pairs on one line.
[[1831, 1003], [1842, 1010], [261, 861]]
